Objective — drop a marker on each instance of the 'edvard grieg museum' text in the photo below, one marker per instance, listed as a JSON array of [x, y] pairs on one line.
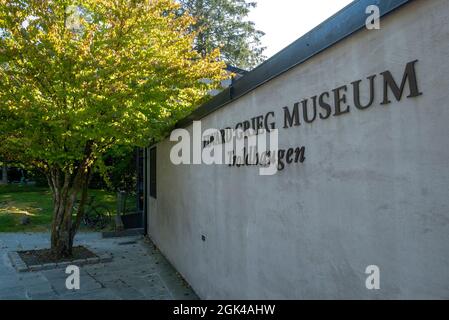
[[362, 175]]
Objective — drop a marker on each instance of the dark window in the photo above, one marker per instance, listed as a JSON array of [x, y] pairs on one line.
[[153, 193], [140, 175]]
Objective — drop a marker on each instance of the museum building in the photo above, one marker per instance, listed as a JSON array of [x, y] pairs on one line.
[[363, 122]]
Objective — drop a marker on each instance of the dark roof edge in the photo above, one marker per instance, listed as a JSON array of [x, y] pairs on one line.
[[347, 21], [236, 69]]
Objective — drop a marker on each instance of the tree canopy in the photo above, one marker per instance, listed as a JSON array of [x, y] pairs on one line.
[[79, 77], [223, 24], [97, 71]]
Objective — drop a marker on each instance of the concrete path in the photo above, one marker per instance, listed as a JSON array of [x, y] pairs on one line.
[[137, 271]]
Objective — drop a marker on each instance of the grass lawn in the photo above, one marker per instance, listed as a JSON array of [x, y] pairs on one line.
[[17, 201]]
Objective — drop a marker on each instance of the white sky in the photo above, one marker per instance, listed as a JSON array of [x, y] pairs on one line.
[[284, 21]]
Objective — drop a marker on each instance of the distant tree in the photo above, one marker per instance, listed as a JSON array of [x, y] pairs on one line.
[[7, 152], [120, 172], [4, 173], [79, 78], [224, 24]]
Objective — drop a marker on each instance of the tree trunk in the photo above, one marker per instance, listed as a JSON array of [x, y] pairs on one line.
[[66, 188], [4, 174], [66, 185]]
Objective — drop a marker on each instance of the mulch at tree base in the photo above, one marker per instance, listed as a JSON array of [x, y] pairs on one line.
[[42, 256]]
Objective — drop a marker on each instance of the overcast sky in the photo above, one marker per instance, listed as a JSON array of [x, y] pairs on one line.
[[284, 21]]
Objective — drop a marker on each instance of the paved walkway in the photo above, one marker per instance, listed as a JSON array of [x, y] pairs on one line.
[[137, 271]]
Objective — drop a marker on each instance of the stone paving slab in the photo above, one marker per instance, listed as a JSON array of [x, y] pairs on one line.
[[96, 294], [138, 271], [128, 293]]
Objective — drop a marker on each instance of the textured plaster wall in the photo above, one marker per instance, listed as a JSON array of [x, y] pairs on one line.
[[374, 188]]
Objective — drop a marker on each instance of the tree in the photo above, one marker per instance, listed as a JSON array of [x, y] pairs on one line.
[[4, 174], [223, 24], [79, 78]]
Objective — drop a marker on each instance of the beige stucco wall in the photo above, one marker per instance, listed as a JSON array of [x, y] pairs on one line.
[[374, 188]]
